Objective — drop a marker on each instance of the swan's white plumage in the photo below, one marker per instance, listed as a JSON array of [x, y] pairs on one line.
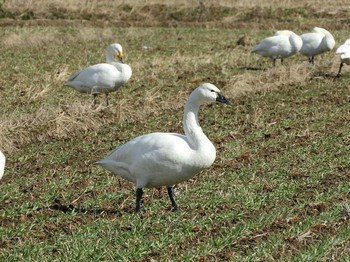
[[2, 164], [316, 42], [283, 44], [344, 53], [165, 159], [104, 77]]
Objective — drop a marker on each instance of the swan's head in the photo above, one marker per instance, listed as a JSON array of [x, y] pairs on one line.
[[116, 50], [208, 93]]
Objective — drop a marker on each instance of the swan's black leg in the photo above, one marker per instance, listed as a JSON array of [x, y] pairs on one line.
[[340, 67], [139, 193], [274, 62], [107, 99], [94, 99], [312, 60], [282, 61], [171, 196]]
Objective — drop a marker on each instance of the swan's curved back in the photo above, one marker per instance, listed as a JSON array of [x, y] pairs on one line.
[[344, 48]]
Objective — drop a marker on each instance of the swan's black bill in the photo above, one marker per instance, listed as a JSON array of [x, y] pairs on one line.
[[220, 98]]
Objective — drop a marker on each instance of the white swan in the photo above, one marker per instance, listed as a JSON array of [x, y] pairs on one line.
[[104, 77], [316, 42], [165, 159], [279, 46], [344, 52], [2, 164]]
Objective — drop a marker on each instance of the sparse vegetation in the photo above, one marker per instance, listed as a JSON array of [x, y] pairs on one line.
[[279, 187]]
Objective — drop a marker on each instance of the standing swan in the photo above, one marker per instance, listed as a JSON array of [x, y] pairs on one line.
[[283, 44], [2, 164], [316, 42], [165, 159], [104, 77], [344, 52]]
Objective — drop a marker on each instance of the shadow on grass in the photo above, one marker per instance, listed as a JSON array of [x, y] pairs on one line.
[[76, 209], [251, 68]]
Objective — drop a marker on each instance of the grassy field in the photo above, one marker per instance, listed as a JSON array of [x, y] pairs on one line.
[[278, 187]]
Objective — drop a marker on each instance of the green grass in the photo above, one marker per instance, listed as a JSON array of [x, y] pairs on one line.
[[282, 167]]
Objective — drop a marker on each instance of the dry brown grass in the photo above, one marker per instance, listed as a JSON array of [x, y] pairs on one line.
[[106, 5], [209, 13]]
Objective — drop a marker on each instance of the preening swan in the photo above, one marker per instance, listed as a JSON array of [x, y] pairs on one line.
[[279, 46], [2, 164], [104, 77], [166, 159], [316, 42], [344, 52]]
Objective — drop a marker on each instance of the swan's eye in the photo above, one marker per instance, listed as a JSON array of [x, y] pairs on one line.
[[211, 90]]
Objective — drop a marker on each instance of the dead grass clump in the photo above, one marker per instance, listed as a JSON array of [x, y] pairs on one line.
[[70, 120], [57, 122]]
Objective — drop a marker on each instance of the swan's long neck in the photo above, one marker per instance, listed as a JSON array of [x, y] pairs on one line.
[[296, 42], [124, 69], [330, 40], [109, 57], [193, 131]]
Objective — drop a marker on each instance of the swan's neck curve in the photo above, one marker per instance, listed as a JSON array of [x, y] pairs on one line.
[[109, 57], [330, 42], [296, 42], [124, 69], [194, 133]]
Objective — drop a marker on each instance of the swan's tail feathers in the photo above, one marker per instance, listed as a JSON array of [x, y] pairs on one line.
[[73, 76], [108, 164], [255, 49]]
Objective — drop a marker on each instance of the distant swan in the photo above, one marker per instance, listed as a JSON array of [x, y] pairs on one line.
[[2, 164], [165, 159], [344, 52], [283, 44], [104, 77], [316, 42]]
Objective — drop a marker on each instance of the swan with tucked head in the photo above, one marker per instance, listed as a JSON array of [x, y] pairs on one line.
[[166, 159], [283, 44], [2, 164], [104, 77], [316, 42], [344, 52]]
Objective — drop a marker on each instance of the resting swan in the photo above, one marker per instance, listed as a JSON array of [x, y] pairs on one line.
[[316, 42], [165, 159], [102, 78], [2, 164], [344, 52], [283, 44]]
